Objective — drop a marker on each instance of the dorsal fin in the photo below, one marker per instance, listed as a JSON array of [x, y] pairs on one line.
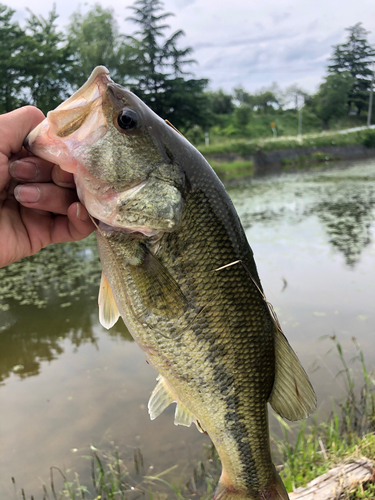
[[108, 312], [292, 395]]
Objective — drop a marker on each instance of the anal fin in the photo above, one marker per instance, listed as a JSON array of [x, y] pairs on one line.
[[162, 396], [183, 416], [108, 312], [292, 395]]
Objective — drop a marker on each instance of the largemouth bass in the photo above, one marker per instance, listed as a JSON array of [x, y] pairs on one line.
[[178, 268]]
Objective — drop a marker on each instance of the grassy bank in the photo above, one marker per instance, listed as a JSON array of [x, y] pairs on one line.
[[243, 147], [226, 170], [303, 453]]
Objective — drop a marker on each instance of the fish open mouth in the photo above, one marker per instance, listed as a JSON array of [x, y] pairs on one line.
[[80, 119]]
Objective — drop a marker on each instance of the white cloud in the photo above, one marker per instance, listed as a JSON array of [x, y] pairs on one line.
[[246, 41]]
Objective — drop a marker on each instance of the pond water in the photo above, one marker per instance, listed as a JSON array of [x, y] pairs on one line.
[[66, 383]]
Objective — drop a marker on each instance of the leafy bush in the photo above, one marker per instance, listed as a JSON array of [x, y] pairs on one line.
[[369, 138]]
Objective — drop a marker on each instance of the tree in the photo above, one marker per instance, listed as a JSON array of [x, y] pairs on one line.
[[47, 63], [355, 56], [184, 103], [155, 56], [95, 40], [12, 40], [265, 101], [243, 114], [220, 102], [161, 84], [294, 96], [243, 97], [331, 101]]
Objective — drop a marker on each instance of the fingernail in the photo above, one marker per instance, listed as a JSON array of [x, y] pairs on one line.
[[59, 176], [27, 194], [24, 170], [57, 171], [82, 213]]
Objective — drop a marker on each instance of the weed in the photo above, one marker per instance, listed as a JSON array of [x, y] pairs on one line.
[[306, 451], [320, 446]]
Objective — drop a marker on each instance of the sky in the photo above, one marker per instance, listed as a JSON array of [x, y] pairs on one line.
[[243, 42]]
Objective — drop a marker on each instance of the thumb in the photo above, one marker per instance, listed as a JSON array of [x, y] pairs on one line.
[[15, 126]]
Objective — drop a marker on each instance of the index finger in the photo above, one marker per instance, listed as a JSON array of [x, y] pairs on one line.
[[14, 127]]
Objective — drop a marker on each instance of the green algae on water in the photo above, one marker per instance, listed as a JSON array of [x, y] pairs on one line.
[[61, 270]]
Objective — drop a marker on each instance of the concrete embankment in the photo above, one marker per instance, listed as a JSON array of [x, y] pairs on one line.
[[275, 161]]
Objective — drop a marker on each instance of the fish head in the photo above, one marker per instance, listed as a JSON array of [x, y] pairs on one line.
[[112, 143]]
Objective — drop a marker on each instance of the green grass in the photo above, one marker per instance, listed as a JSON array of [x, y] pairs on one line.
[[245, 147], [347, 434], [304, 452], [317, 449], [234, 169]]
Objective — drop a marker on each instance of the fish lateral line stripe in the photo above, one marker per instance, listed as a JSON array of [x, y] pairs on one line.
[[270, 306]]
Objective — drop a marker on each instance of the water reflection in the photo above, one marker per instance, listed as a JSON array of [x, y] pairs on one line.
[[33, 338], [347, 216], [343, 202], [45, 300]]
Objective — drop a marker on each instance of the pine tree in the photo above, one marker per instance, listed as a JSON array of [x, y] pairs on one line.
[[356, 57], [162, 66]]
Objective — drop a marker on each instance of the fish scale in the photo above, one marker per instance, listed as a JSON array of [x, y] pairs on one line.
[[215, 290], [178, 268]]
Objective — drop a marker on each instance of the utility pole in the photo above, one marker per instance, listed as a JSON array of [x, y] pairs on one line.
[[371, 97], [206, 139], [300, 117]]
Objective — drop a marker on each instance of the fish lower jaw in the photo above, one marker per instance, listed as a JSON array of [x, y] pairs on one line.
[[108, 230]]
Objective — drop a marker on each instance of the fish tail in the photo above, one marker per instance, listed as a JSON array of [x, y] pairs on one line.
[[274, 491]]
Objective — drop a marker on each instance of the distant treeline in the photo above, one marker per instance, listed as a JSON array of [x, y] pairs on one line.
[[42, 65]]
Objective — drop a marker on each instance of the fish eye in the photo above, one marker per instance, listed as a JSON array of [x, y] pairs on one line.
[[128, 119]]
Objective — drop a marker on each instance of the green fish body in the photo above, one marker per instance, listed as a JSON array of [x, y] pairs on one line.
[[178, 269]]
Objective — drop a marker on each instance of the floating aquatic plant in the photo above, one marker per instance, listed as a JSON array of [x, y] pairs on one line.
[[63, 270]]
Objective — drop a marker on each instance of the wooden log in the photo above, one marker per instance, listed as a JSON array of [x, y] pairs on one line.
[[329, 486]]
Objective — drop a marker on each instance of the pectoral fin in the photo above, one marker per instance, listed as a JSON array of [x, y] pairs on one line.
[[292, 395], [156, 288], [108, 312], [162, 396]]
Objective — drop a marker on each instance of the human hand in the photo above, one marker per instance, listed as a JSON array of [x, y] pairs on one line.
[[38, 200]]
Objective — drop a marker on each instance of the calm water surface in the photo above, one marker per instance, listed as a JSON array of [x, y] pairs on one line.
[[66, 383]]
